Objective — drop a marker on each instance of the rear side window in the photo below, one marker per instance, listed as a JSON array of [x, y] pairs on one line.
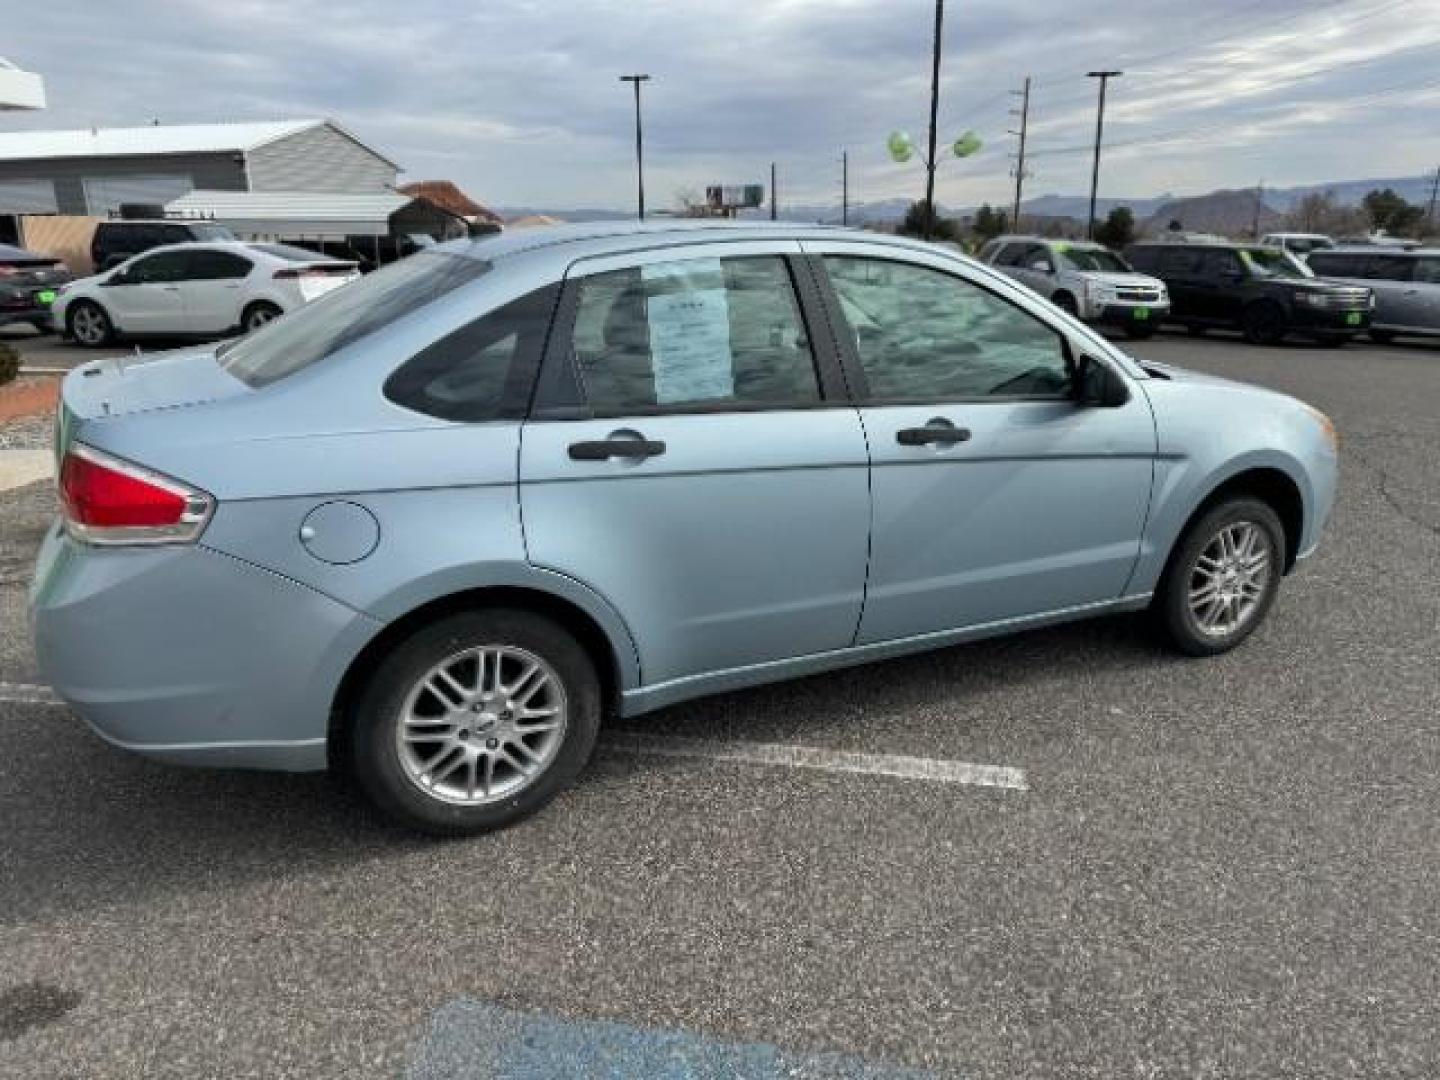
[[1328, 263], [697, 333], [217, 266], [463, 376], [1390, 267], [1179, 262], [325, 326], [1221, 263], [1141, 258]]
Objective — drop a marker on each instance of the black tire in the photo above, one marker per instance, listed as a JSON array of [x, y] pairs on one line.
[[95, 328], [1139, 331], [1172, 603], [374, 754], [257, 315], [1263, 323], [1195, 329], [1066, 303], [1382, 337]]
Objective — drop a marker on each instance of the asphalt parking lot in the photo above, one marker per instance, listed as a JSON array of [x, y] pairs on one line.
[[1217, 868]]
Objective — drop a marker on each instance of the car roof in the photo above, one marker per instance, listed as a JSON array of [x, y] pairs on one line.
[[1378, 249], [10, 251]]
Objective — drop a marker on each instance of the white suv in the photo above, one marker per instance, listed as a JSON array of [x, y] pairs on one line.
[[1085, 279]]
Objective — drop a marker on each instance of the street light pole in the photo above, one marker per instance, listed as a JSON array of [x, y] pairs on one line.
[[845, 187], [636, 80], [772, 191], [934, 115], [1104, 77]]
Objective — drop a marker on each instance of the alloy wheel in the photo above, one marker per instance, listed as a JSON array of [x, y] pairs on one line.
[[482, 725], [88, 325], [1229, 579]]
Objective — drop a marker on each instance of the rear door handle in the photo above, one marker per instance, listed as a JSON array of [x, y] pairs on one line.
[[938, 432], [604, 449]]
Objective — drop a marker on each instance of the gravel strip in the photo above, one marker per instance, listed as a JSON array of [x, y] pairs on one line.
[[27, 433]]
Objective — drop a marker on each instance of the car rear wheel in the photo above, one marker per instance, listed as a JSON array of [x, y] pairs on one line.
[[89, 325], [257, 315], [475, 722], [1263, 324], [1223, 577]]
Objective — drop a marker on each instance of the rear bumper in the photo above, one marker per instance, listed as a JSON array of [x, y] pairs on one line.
[[191, 656]]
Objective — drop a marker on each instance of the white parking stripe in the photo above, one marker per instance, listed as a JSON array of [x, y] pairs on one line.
[[808, 757], [27, 694], [745, 753]]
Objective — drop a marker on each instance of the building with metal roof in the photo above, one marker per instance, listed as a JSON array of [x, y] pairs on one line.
[[92, 171]]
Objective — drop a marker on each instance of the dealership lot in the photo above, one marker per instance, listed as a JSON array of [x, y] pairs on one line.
[[1220, 868]]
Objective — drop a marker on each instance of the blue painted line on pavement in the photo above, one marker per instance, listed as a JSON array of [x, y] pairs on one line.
[[471, 1040]]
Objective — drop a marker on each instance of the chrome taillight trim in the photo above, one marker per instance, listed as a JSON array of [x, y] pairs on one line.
[[199, 507]]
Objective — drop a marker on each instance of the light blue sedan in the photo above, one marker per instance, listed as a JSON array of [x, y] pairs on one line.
[[434, 527]]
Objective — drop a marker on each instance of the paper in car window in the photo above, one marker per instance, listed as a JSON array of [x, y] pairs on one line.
[[689, 316]]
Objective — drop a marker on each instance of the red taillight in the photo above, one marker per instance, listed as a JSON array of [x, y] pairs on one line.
[[109, 501]]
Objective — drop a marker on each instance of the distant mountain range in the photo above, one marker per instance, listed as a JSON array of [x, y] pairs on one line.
[[1215, 211]]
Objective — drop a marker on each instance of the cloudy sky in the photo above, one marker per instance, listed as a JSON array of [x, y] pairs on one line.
[[517, 100]]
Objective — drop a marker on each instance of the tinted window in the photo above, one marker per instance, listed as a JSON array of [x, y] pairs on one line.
[[463, 375], [1037, 257], [697, 332], [165, 266], [1094, 259], [1389, 267], [924, 335], [173, 234], [1142, 258], [1180, 262], [1329, 263], [1012, 255], [1428, 269], [217, 266], [1220, 263], [340, 318]]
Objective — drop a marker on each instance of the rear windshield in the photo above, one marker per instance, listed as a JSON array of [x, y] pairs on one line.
[[325, 326], [1094, 259]]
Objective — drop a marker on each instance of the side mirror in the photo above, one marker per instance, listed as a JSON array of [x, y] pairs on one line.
[[1098, 385]]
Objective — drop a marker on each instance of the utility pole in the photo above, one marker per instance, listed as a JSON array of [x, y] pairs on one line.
[[1020, 158], [772, 191], [1255, 224], [845, 189], [934, 117], [1434, 191], [1104, 77], [636, 80]]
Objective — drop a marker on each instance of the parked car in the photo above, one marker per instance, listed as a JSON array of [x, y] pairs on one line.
[[1264, 293], [28, 283], [196, 289], [1297, 243], [1406, 285], [1083, 279], [123, 238], [432, 527]]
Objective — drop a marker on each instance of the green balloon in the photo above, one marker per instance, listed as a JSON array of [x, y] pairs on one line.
[[901, 148], [967, 144]]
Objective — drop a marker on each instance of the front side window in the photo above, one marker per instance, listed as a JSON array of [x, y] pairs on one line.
[[325, 326], [463, 375], [164, 267], [925, 335], [1180, 262], [697, 333], [1094, 259], [1221, 264]]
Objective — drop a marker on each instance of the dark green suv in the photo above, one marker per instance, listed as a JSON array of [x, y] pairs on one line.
[[1264, 293]]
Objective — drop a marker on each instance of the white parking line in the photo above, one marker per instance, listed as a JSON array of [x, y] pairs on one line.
[[809, 757], [781, 755], [27, 694]]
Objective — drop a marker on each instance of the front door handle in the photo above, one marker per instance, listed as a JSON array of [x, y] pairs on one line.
[[604, 449], [937, 432]]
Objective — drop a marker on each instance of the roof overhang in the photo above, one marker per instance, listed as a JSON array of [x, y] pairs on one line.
[[20, 89], [293, 213]]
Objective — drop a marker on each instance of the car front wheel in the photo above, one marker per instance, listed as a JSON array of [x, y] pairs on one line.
[[257, 315], [89, 325], [475, 722], [1223, 577]]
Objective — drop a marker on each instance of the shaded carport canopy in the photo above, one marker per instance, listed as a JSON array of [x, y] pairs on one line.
[[293, 213]]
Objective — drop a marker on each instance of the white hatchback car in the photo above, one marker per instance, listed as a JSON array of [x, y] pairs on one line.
[[201, 289]]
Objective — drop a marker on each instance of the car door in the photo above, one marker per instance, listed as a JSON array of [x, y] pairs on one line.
[[1423, 305], [693, 458], [1179, 268], [214, 289], [1390, 278], [995, 496], [146, 298], [1220, 285]]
